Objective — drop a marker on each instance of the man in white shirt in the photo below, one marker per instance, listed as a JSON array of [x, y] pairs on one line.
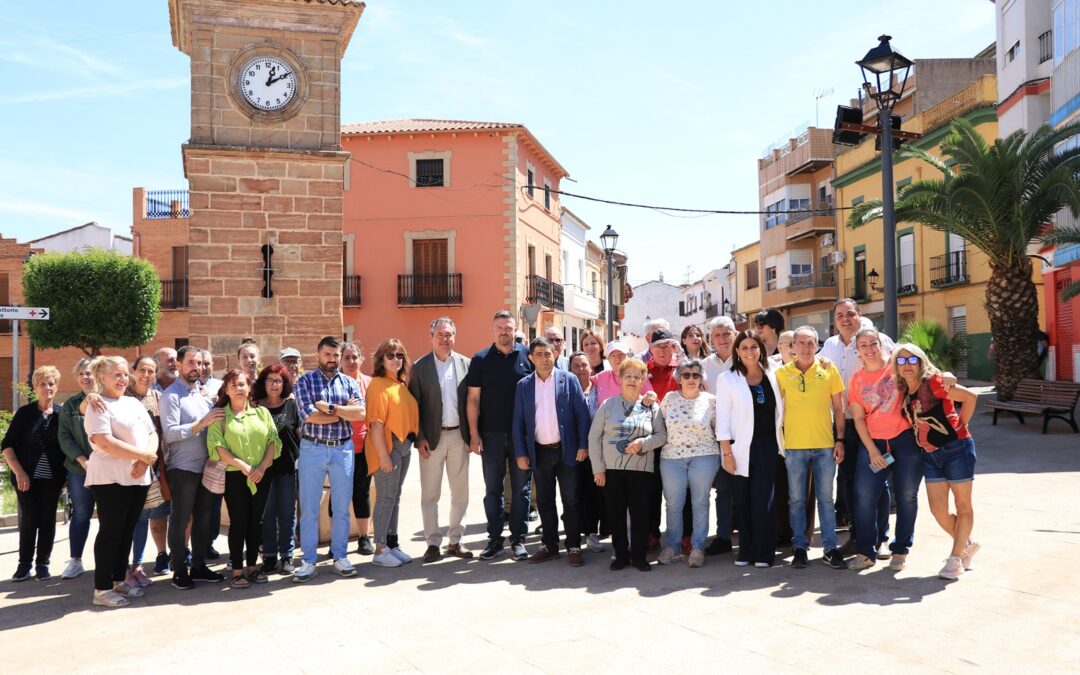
[[438, 385], [840, 350], [722, 338]]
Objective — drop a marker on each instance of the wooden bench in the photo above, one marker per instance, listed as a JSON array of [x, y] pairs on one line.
[[1051, 399]]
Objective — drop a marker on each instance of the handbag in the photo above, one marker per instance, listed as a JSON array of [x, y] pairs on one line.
[[213, 477], [154, 498]]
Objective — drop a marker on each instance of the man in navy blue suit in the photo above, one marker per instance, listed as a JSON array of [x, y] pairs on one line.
[[551, 435]]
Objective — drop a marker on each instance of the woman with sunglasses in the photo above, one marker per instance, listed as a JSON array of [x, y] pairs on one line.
[[273, 391], [749, 426], [689, 459], [393, 420], [948, 457], [623, 435]]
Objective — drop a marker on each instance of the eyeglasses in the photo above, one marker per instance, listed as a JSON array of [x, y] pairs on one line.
[[395, 357], [556, 340], [911, 360], [274, 383], [760, 391], [687, 376], [802, 382]]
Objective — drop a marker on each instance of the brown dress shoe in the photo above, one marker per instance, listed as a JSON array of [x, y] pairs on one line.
[[575, 557], [543, 554], [432, 554], [458, 552]]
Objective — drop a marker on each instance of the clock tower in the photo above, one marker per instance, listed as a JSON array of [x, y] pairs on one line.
[[265, 169]]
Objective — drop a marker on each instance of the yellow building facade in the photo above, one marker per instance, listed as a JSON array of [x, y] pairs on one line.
[[749, 275], [939, 275]]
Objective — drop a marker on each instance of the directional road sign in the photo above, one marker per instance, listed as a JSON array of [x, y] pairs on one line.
[[24, 313]]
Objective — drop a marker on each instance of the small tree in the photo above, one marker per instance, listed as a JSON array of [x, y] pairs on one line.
[[96, 298]]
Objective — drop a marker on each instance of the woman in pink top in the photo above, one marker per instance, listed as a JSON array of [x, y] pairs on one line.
[[118, 473]]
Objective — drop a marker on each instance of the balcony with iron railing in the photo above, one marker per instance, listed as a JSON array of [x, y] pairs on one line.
[[161, 204], [541, 290], [429, 289], [817, 218], [174, 293], [819, 279], [350, 290], [857, 288], [1046, 46], [949, 269]]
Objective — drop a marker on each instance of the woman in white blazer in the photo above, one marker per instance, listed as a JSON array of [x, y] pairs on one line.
[[749, 426]]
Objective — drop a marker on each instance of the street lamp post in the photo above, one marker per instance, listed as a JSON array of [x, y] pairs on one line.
[[610, 238], [878, 67]]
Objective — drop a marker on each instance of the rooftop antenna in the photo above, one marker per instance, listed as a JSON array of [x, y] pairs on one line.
[[818, 95]]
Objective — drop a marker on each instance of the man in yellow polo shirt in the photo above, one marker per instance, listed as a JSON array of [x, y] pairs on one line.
[[813, 441]]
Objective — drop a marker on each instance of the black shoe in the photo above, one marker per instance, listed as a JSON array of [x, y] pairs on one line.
[[212, 553], [494, 548], [642, 565], [618, 564], [41, 573], [22, 573], [206, 574], [834, 559], [364, 546], [718, 546], [518, 551], [161, 563], [182, 581], [799, 561], [269, 565]]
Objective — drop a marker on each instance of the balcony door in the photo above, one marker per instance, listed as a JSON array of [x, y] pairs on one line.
[[431, 270]]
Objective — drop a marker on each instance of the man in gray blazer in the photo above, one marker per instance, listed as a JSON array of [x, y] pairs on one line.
[[437, 382]]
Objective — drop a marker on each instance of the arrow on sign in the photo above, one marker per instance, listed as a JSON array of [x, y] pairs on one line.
[[24, 313]]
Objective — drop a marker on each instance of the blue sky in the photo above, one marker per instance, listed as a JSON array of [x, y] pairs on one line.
[[658, 104]]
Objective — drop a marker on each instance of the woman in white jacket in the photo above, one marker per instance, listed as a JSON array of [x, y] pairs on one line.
[[749, 416]]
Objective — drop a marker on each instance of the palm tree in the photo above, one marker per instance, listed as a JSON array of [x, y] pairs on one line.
[[1001, 198]]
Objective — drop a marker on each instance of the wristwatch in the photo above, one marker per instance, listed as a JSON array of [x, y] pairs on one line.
[[330, 408]]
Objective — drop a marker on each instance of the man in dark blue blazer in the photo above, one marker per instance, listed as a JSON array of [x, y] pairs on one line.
[[551, 435]]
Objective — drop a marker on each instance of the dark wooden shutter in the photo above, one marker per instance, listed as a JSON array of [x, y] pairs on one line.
[[430, 270]]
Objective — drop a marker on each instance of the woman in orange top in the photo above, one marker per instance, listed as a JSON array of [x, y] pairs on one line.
[[393, 421]]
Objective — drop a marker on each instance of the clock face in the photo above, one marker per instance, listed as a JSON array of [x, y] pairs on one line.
[[267, 83]]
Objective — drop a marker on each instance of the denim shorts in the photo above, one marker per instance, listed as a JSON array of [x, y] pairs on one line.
[[160, 511], [954, 462]]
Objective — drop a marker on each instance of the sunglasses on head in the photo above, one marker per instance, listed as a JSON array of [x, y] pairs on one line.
[[396, 357], [688, 376], [912, 360]]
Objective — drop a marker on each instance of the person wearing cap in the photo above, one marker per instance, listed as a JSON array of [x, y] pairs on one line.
[[606, 381], [664, 347], [290, 358], [769, 323], [651, 326]]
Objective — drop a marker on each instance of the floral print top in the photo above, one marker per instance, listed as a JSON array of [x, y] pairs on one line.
[[690, 426]]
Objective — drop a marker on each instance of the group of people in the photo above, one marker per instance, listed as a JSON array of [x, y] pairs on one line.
[[759, 417]]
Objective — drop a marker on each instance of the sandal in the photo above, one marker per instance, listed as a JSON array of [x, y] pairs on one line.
[[239, 581], [109, 599], [257, 577]]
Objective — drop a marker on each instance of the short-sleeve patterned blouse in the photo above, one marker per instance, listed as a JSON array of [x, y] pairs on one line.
[[690, 425]]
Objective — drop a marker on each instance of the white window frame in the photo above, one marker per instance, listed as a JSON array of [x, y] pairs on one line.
[[430, 154], [451, 246]]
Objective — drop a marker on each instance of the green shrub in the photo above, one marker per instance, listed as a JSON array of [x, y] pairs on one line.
[[946, 353]]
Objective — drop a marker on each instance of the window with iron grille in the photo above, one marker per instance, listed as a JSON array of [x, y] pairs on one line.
[[530, 181], [429, 173]]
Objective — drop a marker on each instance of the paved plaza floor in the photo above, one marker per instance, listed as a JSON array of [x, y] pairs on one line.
[[1017, 611]]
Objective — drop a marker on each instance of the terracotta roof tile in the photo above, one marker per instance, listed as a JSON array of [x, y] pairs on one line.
[[422, 125], [343, 3]]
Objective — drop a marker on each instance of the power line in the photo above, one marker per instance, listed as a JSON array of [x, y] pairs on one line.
[[73, 42]]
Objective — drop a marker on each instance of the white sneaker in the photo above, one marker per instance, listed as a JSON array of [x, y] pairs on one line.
[[386, 558], [400, 555], [305, 572], [954, 567], [73, 569], [968, 553], [593, 543], [343, 567]]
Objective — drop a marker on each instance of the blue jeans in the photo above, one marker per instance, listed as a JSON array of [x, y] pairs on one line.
[[279, 519], [799, 463], [904, 475], [697, 473], [315, 462], [82, 507], [497, 452]]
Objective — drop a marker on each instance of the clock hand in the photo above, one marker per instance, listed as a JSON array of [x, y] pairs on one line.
[[276, 79], [270, 80]]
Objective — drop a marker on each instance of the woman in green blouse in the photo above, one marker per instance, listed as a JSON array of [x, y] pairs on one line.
[[247, 442]]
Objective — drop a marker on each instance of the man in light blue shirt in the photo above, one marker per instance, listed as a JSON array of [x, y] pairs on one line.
[[186, 413]]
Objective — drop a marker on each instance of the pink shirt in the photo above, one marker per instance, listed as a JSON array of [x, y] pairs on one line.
[[607, 385], [547, 420], [126, 419], [876, 394]]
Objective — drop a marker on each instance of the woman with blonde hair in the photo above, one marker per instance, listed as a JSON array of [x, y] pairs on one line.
[[76, 449], [36, 468], [125, 446], [393, 420], [948, 450]]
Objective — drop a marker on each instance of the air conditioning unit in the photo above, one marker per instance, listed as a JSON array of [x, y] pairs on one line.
[[828, 239], [837, 258]]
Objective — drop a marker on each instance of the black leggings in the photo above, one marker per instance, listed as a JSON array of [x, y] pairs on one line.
[[629, 491], [245, 518], [37, 519], [361, 488], [118, 509]]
